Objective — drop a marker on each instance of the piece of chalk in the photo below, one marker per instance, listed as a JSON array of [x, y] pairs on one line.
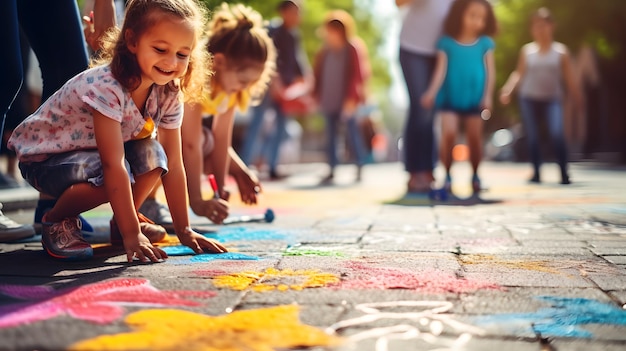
[[267, 217]]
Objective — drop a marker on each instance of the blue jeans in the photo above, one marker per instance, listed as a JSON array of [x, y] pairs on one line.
[[534, 111], [419, 146], [56, 174], [55, 33], [271, 148], [355, 138]]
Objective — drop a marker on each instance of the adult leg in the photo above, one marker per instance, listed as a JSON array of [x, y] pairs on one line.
[[332, 126], [554, 115], [56, 35], [276, 140], [251, 141], [529, 110], [12, 72], [419, 142], [358, 145]]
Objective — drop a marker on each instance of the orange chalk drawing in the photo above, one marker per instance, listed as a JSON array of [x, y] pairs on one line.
[[274, 279], [172, 330], [538, 266]]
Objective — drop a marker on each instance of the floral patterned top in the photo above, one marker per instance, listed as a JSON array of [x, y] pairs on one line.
[[65, 121]]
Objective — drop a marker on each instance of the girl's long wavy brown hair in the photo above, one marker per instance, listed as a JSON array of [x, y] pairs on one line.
[[238, 33], [140, 16]]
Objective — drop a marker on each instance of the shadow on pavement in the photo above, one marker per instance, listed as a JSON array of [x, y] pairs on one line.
[[425, 201]]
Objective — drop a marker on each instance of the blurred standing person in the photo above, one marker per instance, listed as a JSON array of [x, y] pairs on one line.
[[421, 29], [339, 88], [462, 85], [292, 68], [543, 66], [54, 31]]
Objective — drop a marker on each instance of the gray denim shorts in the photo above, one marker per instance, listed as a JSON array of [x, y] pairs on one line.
[[54, 175]]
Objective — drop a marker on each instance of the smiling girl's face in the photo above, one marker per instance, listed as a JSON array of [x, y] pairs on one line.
[[163, 51]]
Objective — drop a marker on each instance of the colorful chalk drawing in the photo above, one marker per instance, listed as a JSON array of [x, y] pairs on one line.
[[555, 267], [362, 276], [235, 234], [171, 330], [433, 316], [274, 279], [539, 266], [100, 302], [311, 251], [565, 317], [180, 250], [230, 234]]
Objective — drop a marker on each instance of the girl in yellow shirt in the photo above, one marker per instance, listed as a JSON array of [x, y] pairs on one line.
[[244, 60]]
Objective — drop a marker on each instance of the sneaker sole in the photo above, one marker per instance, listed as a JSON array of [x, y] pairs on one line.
[[83, 256]]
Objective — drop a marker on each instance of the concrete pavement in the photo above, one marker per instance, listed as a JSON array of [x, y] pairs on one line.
[[350, 267]]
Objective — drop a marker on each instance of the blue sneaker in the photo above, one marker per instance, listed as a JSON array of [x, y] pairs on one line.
[[44, 206], [64, 240]]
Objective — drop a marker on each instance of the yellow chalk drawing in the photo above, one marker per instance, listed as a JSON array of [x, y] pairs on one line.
[[172, 330], [539, 266], [274, 279]]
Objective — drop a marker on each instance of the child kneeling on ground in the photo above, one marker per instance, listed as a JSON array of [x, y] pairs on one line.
[[94, 140]]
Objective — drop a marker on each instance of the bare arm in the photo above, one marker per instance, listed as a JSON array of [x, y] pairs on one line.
[[117, 184], [491, 80], [439, 75], [104, 19], [223, 133], [192, 150], [175, 186], [193, 158], [513, 80], [247, 182]]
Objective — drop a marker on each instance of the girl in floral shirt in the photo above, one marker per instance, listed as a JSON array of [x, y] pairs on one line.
[[94, 141]]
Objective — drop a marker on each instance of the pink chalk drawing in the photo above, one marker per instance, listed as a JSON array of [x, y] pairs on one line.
[[99, 303], [363, 276]]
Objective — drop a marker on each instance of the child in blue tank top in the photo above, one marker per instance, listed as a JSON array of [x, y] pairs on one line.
[[463, 82]]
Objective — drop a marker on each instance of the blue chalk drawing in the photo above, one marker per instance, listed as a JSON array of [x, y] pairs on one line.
[[229, 234], [223, 256], [564, 318], [180, 250]]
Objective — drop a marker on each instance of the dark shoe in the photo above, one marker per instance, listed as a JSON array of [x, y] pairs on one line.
[[328, 179], [44, 206], [12, 231], [153, 232], [535, 179], [447, 184], [274, 175], [64, 240], [476, 184], [565, 180]]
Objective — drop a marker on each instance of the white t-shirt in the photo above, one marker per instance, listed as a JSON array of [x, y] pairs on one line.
[[422, 25], [65, 121]]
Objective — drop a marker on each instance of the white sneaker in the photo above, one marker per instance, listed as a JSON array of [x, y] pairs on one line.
[[12, 231]]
